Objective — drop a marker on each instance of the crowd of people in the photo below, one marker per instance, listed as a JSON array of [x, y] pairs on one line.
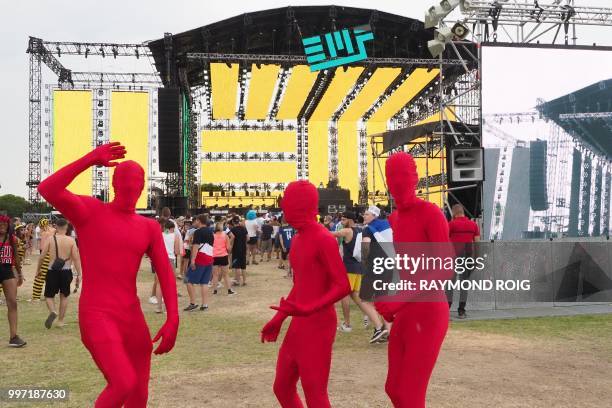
[[209, 254]]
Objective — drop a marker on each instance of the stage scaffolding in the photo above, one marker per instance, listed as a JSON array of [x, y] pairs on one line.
[[49, 52], [457, 99]]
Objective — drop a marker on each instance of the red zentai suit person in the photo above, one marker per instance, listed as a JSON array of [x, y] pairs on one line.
[[112, 242], [419, 327], [319, 282]]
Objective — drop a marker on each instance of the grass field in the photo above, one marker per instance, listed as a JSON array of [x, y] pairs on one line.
[[218, 360]]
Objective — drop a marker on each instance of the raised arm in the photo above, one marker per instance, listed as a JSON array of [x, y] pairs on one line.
[[159, 257], [345, 233], [54, 188]]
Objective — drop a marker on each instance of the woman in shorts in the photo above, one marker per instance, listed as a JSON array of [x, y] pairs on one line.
[[221, 247]]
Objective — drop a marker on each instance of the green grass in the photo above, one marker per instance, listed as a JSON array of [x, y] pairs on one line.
[[592, 332], [227, 336]]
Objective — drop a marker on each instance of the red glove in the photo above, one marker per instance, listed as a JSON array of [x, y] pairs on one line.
[[270, 332], [294, 309], [168, 334]]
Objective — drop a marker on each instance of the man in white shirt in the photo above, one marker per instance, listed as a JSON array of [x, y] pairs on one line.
[[253, 229]]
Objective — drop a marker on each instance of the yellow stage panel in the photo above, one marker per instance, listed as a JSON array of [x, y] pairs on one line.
[[72, 122], [373, 128], [318, 152], [348, 157], [369, 94], [298, 87], [248, 141], [348, 137], [318, 140], [261, 88], [340, 86], [224, 81], [411, 87], [129, 124], [248, 172]]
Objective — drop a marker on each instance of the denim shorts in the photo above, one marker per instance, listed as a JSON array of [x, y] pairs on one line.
[[199, 275]]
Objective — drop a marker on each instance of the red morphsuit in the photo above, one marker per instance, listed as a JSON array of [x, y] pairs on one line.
[[112, 242], [419, 327], [319, 282]]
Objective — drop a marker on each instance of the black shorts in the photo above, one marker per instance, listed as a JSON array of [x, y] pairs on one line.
[[238, 261], [285, 254], [221, 260], [252, 241], [187, 254], [6, 272], [58, 282]]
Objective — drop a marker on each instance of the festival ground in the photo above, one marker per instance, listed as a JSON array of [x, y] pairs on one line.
[[218, 360]]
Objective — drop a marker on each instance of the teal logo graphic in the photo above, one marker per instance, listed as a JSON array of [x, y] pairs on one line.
[[341, 40]]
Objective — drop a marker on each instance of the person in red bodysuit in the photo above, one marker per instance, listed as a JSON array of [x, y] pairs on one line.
[[112, 325], [418, 328], [319, 282]]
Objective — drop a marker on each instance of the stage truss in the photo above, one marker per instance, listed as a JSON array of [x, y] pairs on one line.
[[513, 23], [49, 52], [594, 172], [457, 99], [520, 23]]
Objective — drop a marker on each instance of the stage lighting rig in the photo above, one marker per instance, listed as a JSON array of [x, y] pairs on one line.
[[443, 35], [437, 13], [460, 30]]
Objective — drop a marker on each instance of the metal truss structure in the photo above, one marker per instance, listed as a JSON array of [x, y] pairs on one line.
[[592, 173], [456, 97], [519, 23], [49, 52], [97, 49], [136, 79], [298, 59]]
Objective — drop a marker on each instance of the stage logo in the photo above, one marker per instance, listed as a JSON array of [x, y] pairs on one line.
[[340, 47]]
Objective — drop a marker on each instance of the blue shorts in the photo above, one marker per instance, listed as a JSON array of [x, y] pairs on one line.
[[200, 275]]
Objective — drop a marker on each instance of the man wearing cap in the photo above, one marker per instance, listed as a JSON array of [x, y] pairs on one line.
[[355, 270], [252, 227]]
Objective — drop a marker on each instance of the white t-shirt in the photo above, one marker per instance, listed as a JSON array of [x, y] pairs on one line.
[[169, 238], [275, 229], [37, 232], [252, 227]]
